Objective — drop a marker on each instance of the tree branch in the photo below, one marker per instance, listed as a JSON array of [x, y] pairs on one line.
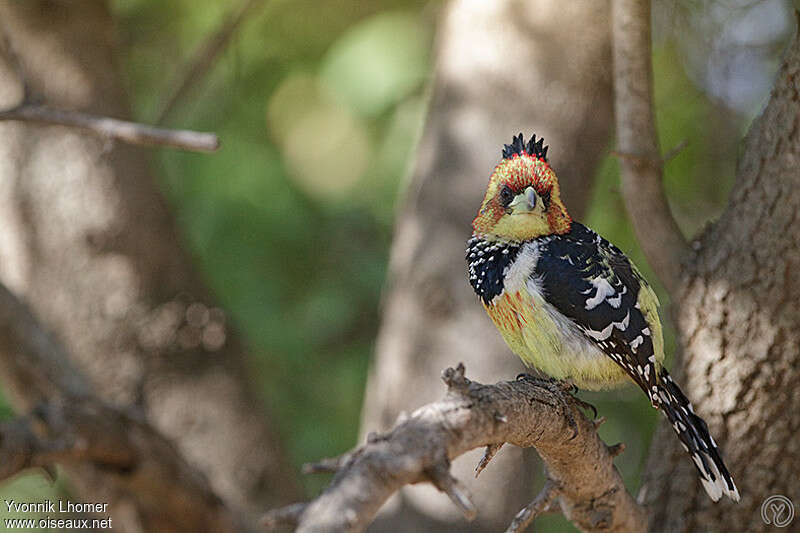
[[642, 167], [539, 505], [420, 447], [203, 59], [127, 451], [68, 425], [31, 359], [112, 128]]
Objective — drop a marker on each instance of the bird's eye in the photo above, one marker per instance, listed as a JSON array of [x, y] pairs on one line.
[[506, 195]]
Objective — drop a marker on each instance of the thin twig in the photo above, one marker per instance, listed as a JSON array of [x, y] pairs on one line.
[[678, 148], [443, 480], [642, 167], [329, 465], [205, 56], [616, 449], [660, 161], [112, 128], [488, 455], [540, 504], [285, 516]]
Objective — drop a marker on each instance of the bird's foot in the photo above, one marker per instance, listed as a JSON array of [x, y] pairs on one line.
[[564, 391], [582, 403], [536, 380]]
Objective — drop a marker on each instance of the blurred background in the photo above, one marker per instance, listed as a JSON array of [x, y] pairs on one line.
[[319, 106]]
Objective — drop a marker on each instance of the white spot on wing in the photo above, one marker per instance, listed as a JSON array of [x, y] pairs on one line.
[[635, 343], [617, 300], [601, 335], [604, 289]]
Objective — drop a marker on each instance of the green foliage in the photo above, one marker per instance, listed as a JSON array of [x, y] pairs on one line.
[[5, 409], [367, 69], [317, 106], [28, 488]]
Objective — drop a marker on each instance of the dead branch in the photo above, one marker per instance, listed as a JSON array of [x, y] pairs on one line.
[[28, 110], [205, 56], [285, 516], [70, 427], [115, 129], [539, 505], [420, 447], [642, 168]]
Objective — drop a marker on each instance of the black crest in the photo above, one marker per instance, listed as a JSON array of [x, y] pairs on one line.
[[518, 146]]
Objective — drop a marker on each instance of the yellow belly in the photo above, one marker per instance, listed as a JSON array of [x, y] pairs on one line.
[[552, 345]]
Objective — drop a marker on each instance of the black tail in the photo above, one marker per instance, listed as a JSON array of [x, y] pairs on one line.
[[693, 432]]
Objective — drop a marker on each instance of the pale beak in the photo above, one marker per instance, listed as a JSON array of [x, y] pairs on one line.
[[530, 196], [524, 202]]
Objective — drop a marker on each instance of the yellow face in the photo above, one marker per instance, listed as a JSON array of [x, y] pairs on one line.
[[522, 202]]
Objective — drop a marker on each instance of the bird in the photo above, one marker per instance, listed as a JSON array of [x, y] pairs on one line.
[[571, 304]]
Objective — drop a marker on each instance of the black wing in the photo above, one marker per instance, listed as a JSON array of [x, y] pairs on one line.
[[593, 283]]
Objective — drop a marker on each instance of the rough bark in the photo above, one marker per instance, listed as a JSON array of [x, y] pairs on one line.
[[502, 67], [420, 447], [739, 318], [87, 241]]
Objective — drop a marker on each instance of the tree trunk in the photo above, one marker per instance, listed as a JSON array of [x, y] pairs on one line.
[[502, 67], [87, 241], [739, 318]]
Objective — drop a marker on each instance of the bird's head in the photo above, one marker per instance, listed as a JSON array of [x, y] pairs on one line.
[[522, 200]]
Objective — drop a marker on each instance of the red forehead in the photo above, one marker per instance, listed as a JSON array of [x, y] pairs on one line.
[[522, 171], [518, 172]]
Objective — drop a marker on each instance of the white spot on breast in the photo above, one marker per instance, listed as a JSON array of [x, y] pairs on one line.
[[517, 275]]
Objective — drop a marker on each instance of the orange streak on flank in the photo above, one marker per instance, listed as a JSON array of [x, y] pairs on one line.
[[509, 311]]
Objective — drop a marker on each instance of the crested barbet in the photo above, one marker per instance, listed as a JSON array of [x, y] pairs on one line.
[[570, 303]]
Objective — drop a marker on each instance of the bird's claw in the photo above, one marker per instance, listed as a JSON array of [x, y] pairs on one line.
[[586, 405], [537, 380], [559, 389]]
